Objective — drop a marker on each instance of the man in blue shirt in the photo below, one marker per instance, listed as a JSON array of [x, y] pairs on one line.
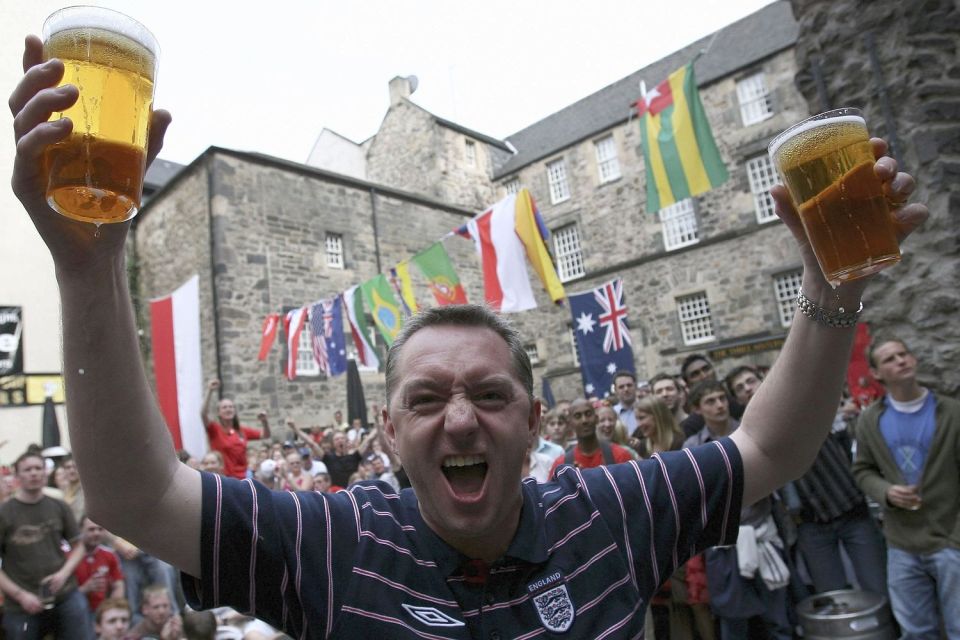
[[474, 552]]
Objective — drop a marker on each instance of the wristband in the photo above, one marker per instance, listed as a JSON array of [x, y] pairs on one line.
[[840, 318]]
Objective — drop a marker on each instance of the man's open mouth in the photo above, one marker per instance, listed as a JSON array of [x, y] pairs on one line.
[[465, 473]]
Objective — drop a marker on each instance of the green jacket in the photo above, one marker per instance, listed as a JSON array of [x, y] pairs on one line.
[[936, 525]]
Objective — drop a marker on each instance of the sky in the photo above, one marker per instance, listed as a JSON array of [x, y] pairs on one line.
[[268, 77]]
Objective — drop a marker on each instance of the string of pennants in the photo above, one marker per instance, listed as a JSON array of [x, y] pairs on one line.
[[508, 236]]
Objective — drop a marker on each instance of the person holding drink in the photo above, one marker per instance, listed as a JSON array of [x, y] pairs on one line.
[[908, 457], [460, 413]]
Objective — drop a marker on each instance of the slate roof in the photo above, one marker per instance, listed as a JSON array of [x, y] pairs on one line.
[[737, 45]]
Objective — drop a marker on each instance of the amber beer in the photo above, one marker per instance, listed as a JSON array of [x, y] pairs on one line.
[[96, 174], [826, 163]]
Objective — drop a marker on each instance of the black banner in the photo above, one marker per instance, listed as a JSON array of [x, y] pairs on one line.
[[11, 341]]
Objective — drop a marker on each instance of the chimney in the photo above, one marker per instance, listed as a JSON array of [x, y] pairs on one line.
[[401, 88]]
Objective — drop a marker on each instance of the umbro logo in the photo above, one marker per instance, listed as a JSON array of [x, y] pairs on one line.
[[432, 617]]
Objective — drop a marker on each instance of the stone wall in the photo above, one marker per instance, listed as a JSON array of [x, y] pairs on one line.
[[908, 84], [257, 243]]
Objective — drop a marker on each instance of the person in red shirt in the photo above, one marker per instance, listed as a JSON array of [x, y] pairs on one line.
[[98, 573], [589, 451], [228, 436]]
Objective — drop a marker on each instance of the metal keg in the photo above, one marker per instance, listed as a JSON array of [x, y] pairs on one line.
[[849, 614]]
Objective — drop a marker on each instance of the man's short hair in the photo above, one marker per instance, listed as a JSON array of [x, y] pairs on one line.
[[461, 315], [663, 376], [623, 373], [704, 387], [877, 341], [730, 377], [153, 590], [23, 456], [689, 360], [111, 603]]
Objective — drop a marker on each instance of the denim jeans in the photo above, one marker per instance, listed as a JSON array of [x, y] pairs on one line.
[[819, 542], [776, 621], [141, 572], [66, 621], [924, 589]]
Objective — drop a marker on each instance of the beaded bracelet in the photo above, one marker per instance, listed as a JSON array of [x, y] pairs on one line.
[[840, 318]]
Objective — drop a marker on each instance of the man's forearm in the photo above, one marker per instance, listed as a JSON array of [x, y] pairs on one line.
[[121, 444], [10, 588], [791, 414]]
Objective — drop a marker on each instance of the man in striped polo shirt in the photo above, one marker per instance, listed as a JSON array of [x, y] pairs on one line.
[[474, 552]]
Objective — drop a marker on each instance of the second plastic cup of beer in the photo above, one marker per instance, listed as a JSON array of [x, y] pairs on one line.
[[826, 162], [96, 173]]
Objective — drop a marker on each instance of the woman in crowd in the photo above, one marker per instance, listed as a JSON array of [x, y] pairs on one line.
[[228, 436], [610, 429], [555, 428], [657, 429]]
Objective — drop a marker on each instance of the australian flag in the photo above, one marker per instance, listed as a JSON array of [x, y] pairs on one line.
[[602, 334], [326, 336]]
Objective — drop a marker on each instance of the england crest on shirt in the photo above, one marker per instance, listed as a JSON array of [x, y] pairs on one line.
[[555, 609]]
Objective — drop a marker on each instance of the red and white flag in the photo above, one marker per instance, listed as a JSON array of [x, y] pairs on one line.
[[175, 330], [506, 282], [293, 324], [268, 334]]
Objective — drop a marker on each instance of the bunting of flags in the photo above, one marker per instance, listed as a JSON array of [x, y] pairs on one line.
[[603, 336], [390, 297], [679, 152]]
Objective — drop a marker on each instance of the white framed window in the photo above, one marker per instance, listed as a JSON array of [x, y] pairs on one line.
[[566, 246], [334, 248], [762, 176], [557, 179], [471, 153], [696, 327], [754, 98], [574, 348], [306, 362], [679, 225], [532, 352], [512, 186], [785, 288], [608, 165]]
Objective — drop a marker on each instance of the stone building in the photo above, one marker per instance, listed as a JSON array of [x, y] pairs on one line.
[[716, 274]]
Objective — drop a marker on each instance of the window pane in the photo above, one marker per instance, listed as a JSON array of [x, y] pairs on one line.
[[471, 153], [762, 176], [557, 179], [695, 323], [754, 99], [679, 225], [566, 244], [607, 163], [306, 362], [785, 287], [334, 248], [512, 186]]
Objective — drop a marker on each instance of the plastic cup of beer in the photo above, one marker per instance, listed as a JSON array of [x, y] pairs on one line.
[[96, 174], [826, 162]]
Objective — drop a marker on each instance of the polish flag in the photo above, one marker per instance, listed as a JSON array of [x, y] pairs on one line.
[[175, 329], [293, 324], [506, 282]]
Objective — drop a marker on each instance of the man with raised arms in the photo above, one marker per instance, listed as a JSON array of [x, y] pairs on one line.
[[474, 552]]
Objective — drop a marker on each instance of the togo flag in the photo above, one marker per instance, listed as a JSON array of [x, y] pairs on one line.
[[680, 155], [175, 337]]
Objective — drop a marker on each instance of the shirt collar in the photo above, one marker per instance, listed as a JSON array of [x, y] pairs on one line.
[[528, 544]]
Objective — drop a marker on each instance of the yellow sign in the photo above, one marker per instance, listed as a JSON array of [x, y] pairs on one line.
[[30, 389]]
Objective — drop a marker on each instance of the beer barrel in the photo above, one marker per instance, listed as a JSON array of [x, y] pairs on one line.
[[848, 614]]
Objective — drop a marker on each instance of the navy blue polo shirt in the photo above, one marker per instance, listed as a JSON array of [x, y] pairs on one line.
[[590, 550]]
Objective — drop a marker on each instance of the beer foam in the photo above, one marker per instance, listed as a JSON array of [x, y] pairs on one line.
[[102, 19], [809, 125]]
